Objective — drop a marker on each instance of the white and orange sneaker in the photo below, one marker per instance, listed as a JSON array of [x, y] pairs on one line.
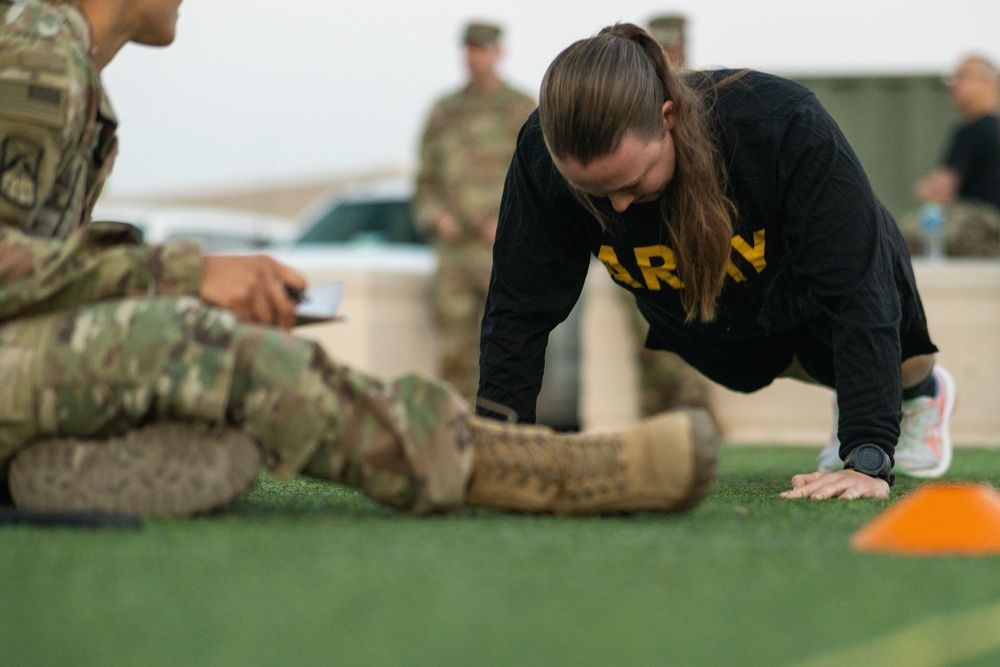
[[829, 456], [924, 447]]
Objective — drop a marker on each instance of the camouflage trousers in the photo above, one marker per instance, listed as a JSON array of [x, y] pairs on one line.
[[458, 297], [100, 369]]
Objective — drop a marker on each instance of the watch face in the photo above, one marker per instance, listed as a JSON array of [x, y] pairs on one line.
[[868, 459]]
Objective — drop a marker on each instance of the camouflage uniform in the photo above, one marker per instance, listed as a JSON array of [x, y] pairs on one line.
[[464, 154], [99, 333], [971, 229], [669, 30]]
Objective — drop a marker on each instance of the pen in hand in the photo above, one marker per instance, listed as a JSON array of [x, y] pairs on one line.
[[296, 295]]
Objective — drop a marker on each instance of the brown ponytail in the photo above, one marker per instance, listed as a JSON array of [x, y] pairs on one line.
[[598, 89]]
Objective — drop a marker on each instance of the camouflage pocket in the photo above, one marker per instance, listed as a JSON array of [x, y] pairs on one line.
[[17, 398]]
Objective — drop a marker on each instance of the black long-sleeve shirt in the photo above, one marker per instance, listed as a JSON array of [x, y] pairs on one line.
[[812, 246], [975, 154]]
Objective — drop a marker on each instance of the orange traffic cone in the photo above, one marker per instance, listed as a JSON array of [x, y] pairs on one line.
[[937, 519]]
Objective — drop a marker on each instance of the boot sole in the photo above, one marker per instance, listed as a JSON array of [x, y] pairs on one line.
[[167, 469], [705, 451]]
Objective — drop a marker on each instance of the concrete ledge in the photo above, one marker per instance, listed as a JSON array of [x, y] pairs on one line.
[[387, 328], [962, 300], [388, 331]]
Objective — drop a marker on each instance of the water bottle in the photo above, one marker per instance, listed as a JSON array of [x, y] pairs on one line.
[[932, 228]]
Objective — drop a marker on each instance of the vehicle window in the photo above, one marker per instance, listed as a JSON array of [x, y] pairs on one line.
[[371, 222], [222, 242]]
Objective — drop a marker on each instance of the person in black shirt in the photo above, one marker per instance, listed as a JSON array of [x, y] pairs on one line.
[[731, 206], [968, 181]]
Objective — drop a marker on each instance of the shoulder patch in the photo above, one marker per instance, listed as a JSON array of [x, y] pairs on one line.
[[20, 160], [33, 102]]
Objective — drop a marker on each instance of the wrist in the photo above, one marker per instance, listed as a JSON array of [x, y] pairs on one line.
[[870, 460]]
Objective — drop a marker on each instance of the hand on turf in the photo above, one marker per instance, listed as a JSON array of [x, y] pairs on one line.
[[843, 484]]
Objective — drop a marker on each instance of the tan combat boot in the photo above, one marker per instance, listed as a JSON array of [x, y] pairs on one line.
[[165, 469], [662, 464]]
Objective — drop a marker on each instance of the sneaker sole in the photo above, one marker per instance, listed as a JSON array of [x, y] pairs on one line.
[[947, 385], [168, 469]]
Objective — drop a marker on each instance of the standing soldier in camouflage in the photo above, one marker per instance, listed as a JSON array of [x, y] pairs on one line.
[[669, 31], [153, 379], [464, 154], [666, 381]]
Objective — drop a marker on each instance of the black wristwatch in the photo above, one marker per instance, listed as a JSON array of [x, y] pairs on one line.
[[872, 461]]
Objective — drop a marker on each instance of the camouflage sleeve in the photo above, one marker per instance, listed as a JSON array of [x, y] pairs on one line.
[[428, 203], [95, 263], [526, 107], [44, 104]]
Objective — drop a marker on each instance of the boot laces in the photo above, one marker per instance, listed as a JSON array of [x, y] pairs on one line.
[[522, 456], [595, 469]]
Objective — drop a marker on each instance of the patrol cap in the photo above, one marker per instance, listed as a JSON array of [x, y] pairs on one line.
[[479, 33], [668, 29]]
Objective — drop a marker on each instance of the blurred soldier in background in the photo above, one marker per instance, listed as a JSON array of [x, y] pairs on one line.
[[666, 381], [967, 184], [668, 30], [155, 379], [464, 154]]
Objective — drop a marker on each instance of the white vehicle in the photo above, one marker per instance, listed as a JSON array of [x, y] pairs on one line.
[[371, 232], [215, 229], [371, 228]]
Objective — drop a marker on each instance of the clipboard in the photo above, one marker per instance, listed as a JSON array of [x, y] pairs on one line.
[[320, 304]]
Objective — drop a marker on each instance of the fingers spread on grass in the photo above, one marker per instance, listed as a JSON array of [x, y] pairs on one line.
[[859, 485], [817, 485], [844, 484], [799, 481]]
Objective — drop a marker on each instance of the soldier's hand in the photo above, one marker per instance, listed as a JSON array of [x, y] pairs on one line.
[[488, 230], [940, 186], [446, 227], [254, 287]]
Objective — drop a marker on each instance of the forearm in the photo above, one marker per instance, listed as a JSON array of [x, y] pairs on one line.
[[867, 368], [428, 201], [96, 264], [427, 208], [511, 365]]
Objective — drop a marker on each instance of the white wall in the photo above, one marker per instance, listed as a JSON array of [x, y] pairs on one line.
[[962, 301], [387, 330]]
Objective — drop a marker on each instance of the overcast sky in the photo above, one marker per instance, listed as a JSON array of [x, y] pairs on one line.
[[254, 92]]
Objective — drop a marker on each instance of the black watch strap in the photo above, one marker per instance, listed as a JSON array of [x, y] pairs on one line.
[[872, 461]]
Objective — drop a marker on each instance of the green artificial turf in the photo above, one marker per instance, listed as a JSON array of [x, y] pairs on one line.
[[310, 574]]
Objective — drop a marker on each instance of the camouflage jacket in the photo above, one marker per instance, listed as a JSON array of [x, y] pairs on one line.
[[464, 154], [57, 145]]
